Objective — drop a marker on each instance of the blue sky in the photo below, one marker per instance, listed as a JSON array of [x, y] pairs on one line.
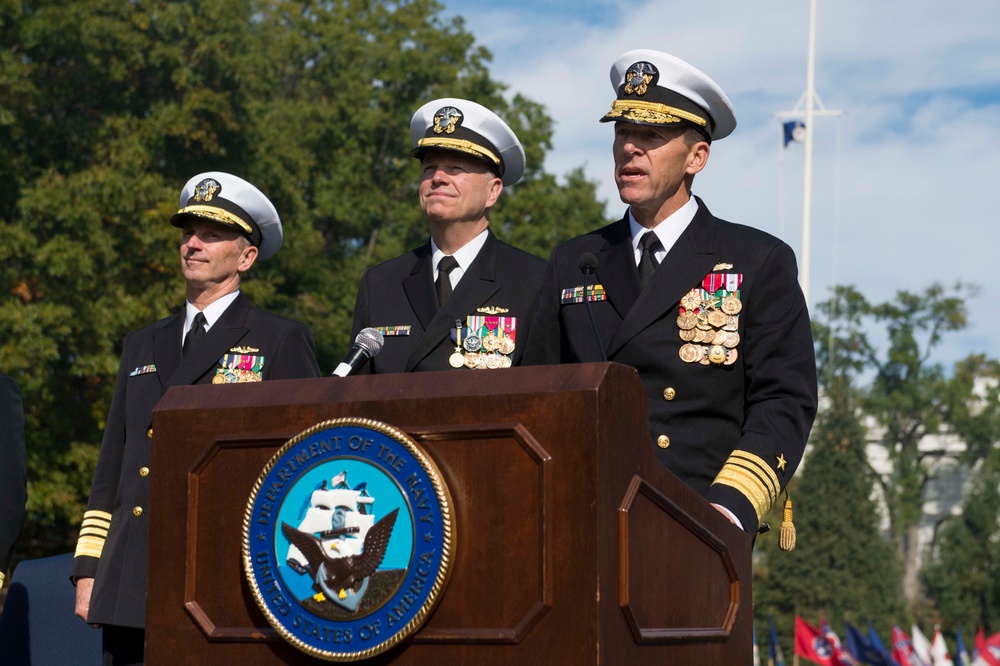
[[906, 183]]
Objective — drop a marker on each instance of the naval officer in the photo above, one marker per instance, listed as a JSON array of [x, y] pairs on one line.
[[462, 301], [709, 312], [226, 225]]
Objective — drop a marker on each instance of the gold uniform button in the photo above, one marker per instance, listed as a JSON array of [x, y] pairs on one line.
[[663, 441], [669, 393], [144, 471], [149, 434], [137, 511]]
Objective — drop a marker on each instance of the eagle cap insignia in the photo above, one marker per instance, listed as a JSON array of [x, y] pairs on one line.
[[639, 77], [206, 189], [491, 310], [446, 120], [722, 266]]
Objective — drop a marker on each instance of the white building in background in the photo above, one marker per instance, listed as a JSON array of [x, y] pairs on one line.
[[948, 480]]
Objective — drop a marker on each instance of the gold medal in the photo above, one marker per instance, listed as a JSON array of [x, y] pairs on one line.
[[493, 361], [688, 336], [731, 356], [219, 379], [456, 360], [471, 358], [717, 318], [732, 339], [719, 337], [505, 362], [732, 323], [731, 305], [717, 354], [686, 321], [691, 300], [506, 346], [690, 353]]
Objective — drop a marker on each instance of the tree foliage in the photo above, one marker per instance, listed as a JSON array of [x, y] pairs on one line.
[[842, 566], [963, 576], [108, 107], [889, 348]]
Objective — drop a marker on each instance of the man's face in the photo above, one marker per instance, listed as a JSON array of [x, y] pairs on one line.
[[456, 188], [651, 164], [213, 253]]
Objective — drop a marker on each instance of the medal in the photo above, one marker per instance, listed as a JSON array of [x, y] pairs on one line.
[[717, 354], [717, 318], [731, 304], [457, 359], [690, 353], [731, 356]]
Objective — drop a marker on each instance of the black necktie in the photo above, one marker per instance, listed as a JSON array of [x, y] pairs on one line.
[[647, 260], [443, 282], [195, 333]]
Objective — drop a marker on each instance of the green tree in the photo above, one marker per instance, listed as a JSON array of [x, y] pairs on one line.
[[963, 576], [842, 565], [892, 345], [107, 108]]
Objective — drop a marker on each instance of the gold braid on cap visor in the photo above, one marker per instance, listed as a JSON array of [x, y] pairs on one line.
[[217, 215], [652, 112], [459, 144]]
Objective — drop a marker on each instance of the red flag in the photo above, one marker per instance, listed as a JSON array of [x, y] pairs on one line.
[[902, 648], [812, 644], [989, 649]]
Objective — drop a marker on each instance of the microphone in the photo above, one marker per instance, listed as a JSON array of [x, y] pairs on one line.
[[588, 266], [368, 343]]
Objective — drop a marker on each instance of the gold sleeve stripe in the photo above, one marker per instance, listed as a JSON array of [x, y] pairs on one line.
[[1, 578], [757, 464], [103, 515], [751, 491], [752, 477], [94, 531], [95, 522], [88, 546]]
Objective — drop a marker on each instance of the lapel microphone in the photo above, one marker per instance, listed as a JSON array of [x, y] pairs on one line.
[[588, 266]]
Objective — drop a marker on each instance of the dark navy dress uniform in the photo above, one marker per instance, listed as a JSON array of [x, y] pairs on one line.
[[398, 297], [113, 539], [704, 421]]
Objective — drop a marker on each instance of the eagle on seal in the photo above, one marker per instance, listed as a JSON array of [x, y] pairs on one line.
[[333, 575]]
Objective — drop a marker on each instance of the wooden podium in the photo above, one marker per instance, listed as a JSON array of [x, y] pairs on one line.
[[574, 545]]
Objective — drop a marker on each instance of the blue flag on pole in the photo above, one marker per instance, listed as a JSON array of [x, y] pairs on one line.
[[774, 656], [862, 649], [878, 645], [961, 654], [795, 130]]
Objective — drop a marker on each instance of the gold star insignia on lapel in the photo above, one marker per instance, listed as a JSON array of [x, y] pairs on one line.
[[782, 462]]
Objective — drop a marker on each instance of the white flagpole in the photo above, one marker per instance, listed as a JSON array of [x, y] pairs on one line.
[[808, 145]]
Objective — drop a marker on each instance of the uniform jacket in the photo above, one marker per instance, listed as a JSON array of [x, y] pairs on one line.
[[734, 432], [119, 497], [13, 484], [398, 297]]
